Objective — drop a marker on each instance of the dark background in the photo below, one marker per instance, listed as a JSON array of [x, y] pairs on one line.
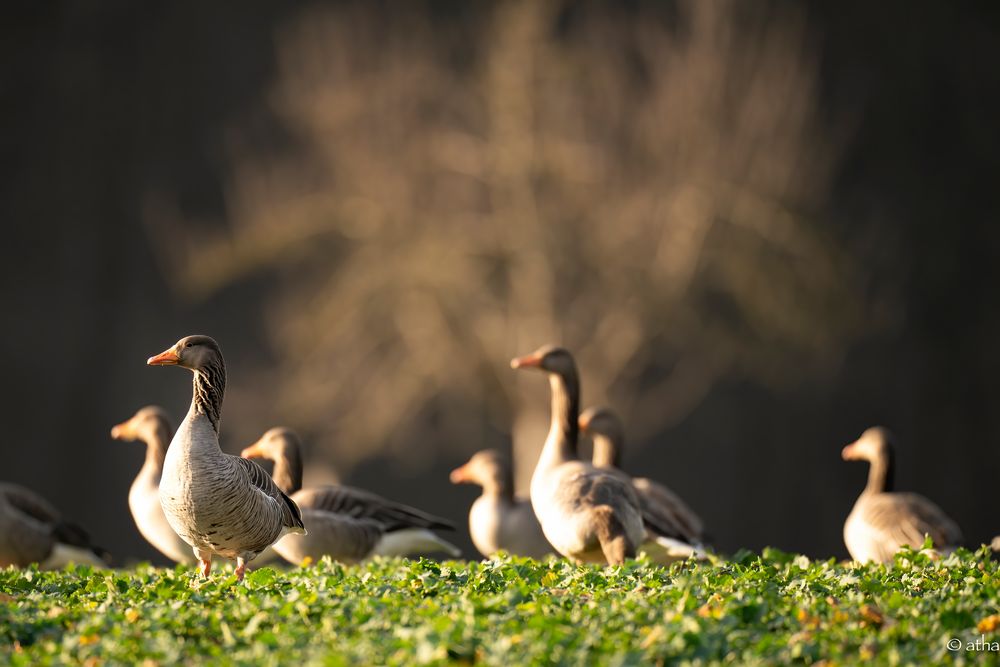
[[107, 102]]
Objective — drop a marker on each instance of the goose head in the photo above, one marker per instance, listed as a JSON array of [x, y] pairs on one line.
[[489, 469], [277, 444], [281, 446], [875, 444], [608, 433], [195, 353], [564, 382], [144, 425], [548, 358]]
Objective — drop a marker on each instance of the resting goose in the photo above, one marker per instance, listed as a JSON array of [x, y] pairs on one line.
[[587, 515], [883, 520], [499, 520], [33, 531], [221, 505], [151, 426], [659, 503], [345, 523]]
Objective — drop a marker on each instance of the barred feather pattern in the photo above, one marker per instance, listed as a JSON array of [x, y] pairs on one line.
[[208, 391], [358, 504], [345, 523], [218, 503]]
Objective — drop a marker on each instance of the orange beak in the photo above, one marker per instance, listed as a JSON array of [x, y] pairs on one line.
[[165, 358], [584, 422], [252, 452], [459, 475], [118, 431], [530, 361], [848, 453]]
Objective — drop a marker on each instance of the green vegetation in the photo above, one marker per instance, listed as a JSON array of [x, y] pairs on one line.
[[774, 608]]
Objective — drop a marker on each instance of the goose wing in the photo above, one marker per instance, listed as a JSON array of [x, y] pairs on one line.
[[658, 520], [905, 518], [652, 493], [361, 504], [291, 516], [29, 503]]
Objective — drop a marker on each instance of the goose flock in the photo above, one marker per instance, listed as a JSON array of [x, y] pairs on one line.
[[194, 503]]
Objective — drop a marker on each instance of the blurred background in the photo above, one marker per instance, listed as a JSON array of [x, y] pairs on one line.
[[761, 227]]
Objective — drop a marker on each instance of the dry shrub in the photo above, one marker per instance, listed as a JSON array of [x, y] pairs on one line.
[[643, 189]]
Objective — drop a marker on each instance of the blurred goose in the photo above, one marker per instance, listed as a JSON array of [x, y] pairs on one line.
[[882, 520], [222, 505], [660, 505], [587, 515], [499, 520], [345, 523], [33, 531], [151, 426]]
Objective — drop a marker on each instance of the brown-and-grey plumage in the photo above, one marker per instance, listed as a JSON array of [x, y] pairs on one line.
[[498, 519], [663, 511], [151, 426], [221, 505], [33, 531], [586, 514], [345, 523], [884, 520]]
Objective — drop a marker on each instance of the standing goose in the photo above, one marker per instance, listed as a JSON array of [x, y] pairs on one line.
[[151, 426], [587, 515], [499, 520], [222, 505], [883, 520], [608, 435], [345, 523], [33, 531]]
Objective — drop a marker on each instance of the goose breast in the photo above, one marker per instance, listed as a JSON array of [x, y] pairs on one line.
[[218, 503]]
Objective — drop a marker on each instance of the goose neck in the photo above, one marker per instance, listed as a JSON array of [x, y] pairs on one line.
[[287, 472], [607, 451], [500, 485], [208, 391], [156, 448], [881, 474], [561, 443]]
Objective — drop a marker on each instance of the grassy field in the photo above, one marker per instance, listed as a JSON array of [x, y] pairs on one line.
[[763, 609]]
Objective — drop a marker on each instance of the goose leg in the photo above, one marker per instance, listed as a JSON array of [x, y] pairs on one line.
[[204, 562], [241, 566]]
